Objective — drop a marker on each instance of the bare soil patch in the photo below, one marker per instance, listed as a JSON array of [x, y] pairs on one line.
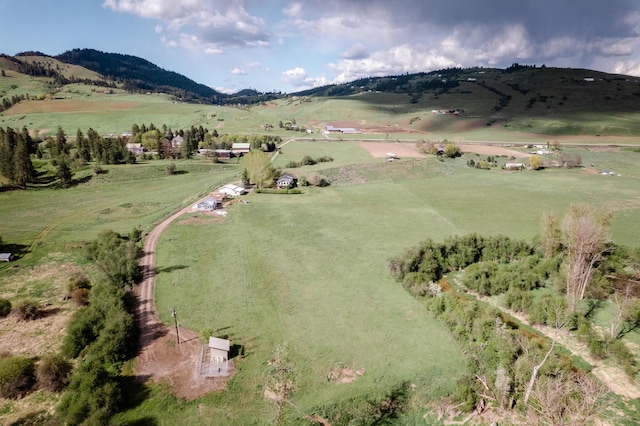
[[380, 149], [492, 150], [345, 375], [37, 337], [166, 361]]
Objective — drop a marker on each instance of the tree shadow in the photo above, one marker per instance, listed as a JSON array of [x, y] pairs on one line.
[[180, 172], [170, 268], [18, 250], [44, 313]]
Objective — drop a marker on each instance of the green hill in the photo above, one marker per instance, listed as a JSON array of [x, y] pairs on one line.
[[523, 99]]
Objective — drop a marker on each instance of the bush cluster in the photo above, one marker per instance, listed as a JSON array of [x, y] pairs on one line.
[[26, 310], [103, 334], [308, 161], [429, 261], [17, 376]]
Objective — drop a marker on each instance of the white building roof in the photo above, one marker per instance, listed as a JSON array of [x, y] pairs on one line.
[[217, 343]]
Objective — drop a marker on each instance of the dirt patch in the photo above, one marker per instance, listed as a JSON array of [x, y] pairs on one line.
[[345, 375], [400, 150], [166, 361], [37, 337], [492, 150]]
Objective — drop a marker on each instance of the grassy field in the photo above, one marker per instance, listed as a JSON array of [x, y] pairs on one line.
[[304, 274], [308, 271]]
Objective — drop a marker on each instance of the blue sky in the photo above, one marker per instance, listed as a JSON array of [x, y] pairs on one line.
[[288, 45]]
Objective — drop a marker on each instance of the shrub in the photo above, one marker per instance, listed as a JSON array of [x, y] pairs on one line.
[[93, 395], [204, 335], [26, 310], [80, 297], [308, 161], [5, 307], [76, 281], [53, 372], [17, 376], [170, 169]]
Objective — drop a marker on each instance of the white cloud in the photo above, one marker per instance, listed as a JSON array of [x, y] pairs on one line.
[[299, 78], [212, 26], [294, 10], [627, 67], [225, 90], [357, 51]]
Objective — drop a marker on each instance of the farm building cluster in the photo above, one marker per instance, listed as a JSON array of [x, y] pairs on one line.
[[216, 199]]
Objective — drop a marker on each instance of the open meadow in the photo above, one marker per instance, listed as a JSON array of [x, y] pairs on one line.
[[299, 279], [307, 272]]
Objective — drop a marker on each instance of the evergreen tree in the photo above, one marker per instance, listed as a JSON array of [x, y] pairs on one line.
[[24, 171], [64, 173]]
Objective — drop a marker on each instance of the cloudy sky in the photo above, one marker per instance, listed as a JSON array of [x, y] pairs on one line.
[[293, 45]]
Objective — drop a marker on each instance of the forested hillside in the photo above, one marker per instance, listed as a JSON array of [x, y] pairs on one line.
[[137, 74]]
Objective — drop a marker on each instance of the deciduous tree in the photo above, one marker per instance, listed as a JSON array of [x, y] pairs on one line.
[[258, 168], [585, 238]]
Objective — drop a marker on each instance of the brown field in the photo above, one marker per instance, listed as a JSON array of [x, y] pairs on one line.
[[380, 149], [407, 150]]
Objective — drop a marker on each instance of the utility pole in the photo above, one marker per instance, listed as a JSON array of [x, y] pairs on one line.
[[174, 314]]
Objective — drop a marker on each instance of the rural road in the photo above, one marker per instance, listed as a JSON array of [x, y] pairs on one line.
[[148, 322]]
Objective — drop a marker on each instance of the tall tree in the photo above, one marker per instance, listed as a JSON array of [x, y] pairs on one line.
[[585, 238], [24, 171], [258, 168], [64, 173]]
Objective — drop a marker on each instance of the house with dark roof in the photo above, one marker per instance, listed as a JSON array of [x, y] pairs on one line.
[[286, 181]]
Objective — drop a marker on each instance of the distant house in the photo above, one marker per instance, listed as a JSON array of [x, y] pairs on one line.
[[514, 166], [223, 153], [135, 148], [286, 181], [231, 190], [176, 142], [6, 257], [240, 148], [345, 130], [208, 204]]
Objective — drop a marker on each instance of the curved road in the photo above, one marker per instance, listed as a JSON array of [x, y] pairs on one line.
[[148, 322]]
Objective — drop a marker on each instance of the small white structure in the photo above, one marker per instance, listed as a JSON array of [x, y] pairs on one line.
[[514, 166], [208, 204], [6, 257], [214, 358], [231, 190]]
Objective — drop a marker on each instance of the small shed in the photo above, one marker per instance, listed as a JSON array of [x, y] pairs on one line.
[[6, 257], [219, 351], [231, 190]]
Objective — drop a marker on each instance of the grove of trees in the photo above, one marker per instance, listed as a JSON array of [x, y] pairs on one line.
[[510, 367]]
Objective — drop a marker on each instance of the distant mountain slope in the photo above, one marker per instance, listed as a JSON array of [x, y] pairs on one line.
[[137, 74]]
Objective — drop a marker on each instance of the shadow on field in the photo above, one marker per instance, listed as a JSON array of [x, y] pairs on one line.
[[170, 268], [18, 250]]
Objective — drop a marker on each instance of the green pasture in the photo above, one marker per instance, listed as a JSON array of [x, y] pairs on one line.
[[39, 221], [307, 272]]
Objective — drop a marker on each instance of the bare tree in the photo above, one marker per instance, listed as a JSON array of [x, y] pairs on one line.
[[573, 399], [627, 308], [585, 238], [558, 313]]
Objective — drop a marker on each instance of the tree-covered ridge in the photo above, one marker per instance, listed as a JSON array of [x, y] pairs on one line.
[[139, 75]]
